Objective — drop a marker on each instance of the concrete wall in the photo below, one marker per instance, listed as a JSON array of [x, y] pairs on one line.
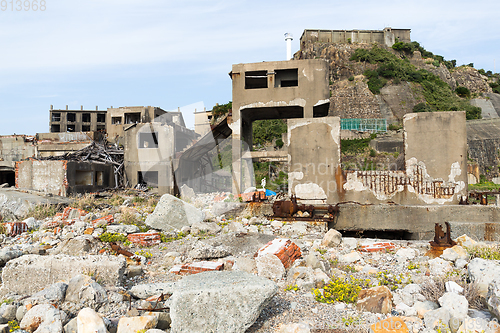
[[63, 177], [119, 119], [58, 144], [314, 159], [435, 163], [85, 121], [307, 98], [387, 36], [158, 160], [16, 148], [202, 122]]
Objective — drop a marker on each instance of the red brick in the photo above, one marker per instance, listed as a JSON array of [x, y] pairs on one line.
[[376, 247], [15, 228], [284, 249], [106, 220], [197, 267], [145, 239], [68, 210], [52, 224]]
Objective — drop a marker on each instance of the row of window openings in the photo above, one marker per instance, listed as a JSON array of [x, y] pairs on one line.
[[282, 78], [130, 118], [71, 117], [56, 128]]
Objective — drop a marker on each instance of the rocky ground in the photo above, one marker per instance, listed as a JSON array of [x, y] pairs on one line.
[[128, 263]]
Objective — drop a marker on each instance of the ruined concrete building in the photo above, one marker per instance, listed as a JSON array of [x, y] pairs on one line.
[[14, 148], [273, 90], [77, 120], [387, 37]]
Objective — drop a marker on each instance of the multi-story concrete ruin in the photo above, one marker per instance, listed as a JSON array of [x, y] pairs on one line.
[[387, 37], [77, 120]]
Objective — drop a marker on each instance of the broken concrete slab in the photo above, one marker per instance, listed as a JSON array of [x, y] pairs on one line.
[[171, 214], [144, 291], [32, 273], [15, 204], [235, 300]]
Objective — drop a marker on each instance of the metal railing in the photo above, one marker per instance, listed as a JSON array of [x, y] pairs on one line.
[[364, 125]]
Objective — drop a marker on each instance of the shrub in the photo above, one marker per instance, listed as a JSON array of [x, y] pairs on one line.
[[264, 131], [373, 153], [422, 107], [341, 290], [108, 237], [463, 92], [220, 110], [351, 78], [355, 146], [279, 143]]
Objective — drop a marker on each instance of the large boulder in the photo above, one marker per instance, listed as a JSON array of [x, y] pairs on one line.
[[30, 273], [88, 321], [171, 214], [228, 301], [43, 318], [483, 272], [376, 300]]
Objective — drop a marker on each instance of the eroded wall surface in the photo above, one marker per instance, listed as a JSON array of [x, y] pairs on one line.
[[435, 169], [43, 176], [314, 159]]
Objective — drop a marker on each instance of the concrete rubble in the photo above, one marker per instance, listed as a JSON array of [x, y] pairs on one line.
[[233, 274]]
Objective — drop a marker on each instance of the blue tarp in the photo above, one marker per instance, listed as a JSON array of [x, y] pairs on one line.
[[270, 193]]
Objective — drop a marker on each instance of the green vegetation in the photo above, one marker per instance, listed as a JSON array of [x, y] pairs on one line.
[[484, 185], [167, 239], [341, 290], [264, 131], [261, 171], [495, 86], [355, 146], [392, 281], [109, 237], [409, 48], [422, 107], [220, 110], [437, 93], [224, 159], [132, 218], [41, 212], [463, 92], [490, 253]]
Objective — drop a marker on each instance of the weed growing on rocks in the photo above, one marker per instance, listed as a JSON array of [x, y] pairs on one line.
[[41, 212], [490, 253], [145, 254], [292, 287], [341, 290], [392, 281], [167, 239], [108, 237]]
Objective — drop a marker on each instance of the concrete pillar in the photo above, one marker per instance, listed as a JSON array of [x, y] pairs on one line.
[[497, 201]]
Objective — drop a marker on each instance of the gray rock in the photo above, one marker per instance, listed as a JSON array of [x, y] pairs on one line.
[[228, 208], [439, 266], [7, 254], [237, 227], [83, 289], [43, 318], [186, 229], [53, 293], [270, 266], [294, 229], [205, 228], [349, 242], [75, 246], [187, 193], [33, 223], [164, 320], [436, 318], [7, 313], [88, 321], [171, 214], [313, 261], [134, 270], [201, 250], [483, 272], [235, 300], [21, 311], [71, 326], [406, 254], [244, 264], [31, 273], [144, 291], [332, 238], [457, 307], [122, 228]]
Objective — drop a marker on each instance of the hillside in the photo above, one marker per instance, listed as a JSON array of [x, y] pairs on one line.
[[375, 81]]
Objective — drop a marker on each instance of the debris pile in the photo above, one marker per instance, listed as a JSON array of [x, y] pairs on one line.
[[120, 265]]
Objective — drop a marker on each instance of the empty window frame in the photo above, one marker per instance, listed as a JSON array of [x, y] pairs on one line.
[[55, 128], [148, 140], [84, 178], [101, 127], [286, 78], [116, 120], [99, 178], [56, 116], [132, 118], [101, 117], [255, 79], [86, 117], [71, 117], [148, 178], [71, 128], [85, 128]]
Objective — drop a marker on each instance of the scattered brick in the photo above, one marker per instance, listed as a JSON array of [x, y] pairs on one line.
[[15, 228], [284, 249], [67, 211], [248, 197], [197, 267], [88, 231], [106, 220], [145, 239], [376, 247], [57, 230], [52, 224]]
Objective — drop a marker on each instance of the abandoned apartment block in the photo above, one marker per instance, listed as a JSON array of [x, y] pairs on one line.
[[77, 120]]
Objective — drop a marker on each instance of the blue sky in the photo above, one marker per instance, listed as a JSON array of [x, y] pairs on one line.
[[178, 53]]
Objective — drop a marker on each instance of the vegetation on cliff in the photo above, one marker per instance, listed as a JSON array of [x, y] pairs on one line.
[[439, 96]]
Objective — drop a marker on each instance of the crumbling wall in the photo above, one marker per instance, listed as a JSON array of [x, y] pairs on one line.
[[435, 163], [43, 176], [314, 158]]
